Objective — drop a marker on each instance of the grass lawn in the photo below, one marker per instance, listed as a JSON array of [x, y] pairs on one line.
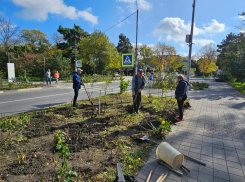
[[12, 86], [96, 142], [238, 86]]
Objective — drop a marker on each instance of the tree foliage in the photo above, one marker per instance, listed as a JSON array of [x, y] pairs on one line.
[[232, 56], [124, 45], [98, 53]]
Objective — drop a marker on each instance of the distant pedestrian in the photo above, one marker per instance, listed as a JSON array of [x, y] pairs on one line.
[[181, 95], [76, 85], [48, 76], [138, 84], [56, 76], [151, 77]]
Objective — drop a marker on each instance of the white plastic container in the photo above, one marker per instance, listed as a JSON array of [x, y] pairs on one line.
[[169, 155]]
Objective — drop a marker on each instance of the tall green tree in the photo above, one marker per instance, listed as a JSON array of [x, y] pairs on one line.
[[98, 53], [69, 36], [146, 53], [124, 45]]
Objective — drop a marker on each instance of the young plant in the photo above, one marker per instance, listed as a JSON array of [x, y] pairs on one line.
[[64, 155], [123, 85]]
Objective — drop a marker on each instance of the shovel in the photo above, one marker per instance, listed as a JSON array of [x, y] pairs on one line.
[[88, 95]]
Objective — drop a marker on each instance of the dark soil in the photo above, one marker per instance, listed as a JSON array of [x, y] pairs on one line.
[[90, 138]]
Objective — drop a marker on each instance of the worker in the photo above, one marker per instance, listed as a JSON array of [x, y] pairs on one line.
[[76, 85]]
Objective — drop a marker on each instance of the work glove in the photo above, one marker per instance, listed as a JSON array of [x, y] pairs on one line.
[[180, 98]]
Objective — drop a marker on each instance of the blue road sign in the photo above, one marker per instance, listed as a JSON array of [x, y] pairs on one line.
[[145, 67], [194, 69], [167, 69], [185, 61], [128, 60], [184, 68], [79, 63]]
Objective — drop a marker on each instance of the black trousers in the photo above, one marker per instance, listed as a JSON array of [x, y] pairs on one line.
[[136, 100], [76, 91], [180, 105]]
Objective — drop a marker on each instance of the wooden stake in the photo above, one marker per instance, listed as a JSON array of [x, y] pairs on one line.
[[164, 178], [149, 176], [160, 178]]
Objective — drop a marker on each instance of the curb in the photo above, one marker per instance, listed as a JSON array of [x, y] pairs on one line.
[[20, 90]]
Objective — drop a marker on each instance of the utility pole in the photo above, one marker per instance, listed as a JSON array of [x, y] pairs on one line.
[[191, 39], [44, 65], [136, 49], [75, 52], [8, 57]]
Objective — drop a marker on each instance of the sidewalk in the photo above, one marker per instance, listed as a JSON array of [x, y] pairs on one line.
[[213, 132]]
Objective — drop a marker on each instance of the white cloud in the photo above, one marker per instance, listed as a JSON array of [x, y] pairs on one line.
[[184, 54], [183, 45], [142, 4], [119, 8], [176, 30], [40, 9], [202, 42], [242, 17]]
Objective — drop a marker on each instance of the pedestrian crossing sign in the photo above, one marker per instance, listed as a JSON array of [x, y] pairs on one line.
[[128, 60], [78, 63]]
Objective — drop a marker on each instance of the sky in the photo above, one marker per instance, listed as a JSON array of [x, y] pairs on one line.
[[166, 21]]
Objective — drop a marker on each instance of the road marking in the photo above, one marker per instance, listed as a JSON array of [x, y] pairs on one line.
[[35, 98]]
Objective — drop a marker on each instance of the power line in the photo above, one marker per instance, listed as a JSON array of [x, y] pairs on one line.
[[120, 21]]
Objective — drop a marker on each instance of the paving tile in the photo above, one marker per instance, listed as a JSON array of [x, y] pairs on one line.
[[148, 167], [234, 165], [206, 170], [219, 161], [192, 174], [205, 177], [188, 179], [221, 174], [235, 178], [207, 158], [235, 171], [195, 155], [174, 177], [160, 170], [220, 167], [220, 180]]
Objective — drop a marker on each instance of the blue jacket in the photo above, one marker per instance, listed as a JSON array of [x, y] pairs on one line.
[[141, 84], [76, 81], [151, 77], [181, 89]]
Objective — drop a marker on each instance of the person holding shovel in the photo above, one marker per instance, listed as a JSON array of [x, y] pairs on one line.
[[138, 84], [76, 85], [181, 95]]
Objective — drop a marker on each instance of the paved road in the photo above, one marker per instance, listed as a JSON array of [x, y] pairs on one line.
[[213, 132], [18, 102]]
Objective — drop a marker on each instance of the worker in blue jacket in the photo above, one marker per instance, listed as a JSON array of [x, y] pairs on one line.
[[76, 85], [138, 84], [181, 95]]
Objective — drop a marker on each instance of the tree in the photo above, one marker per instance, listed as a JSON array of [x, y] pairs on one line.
[[35, 39], [69, 36], [9, 34], [162, 55], [98, 53], [124, 45], [57, 38], [207, 58], [146, 53]]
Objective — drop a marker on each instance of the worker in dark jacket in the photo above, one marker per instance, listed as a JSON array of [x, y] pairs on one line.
[[138, 84], [181, 95], [76, 85]]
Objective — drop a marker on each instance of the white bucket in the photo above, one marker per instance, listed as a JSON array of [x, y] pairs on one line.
[[169, 155]]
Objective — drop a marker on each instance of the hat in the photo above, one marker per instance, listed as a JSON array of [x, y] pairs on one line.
[[140, 70], [78, 69]]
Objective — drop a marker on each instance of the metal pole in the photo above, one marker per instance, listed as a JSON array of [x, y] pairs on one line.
[[190, 44], [136, 49], [44, 65], [203, 68], [99, 102], [75, 52]]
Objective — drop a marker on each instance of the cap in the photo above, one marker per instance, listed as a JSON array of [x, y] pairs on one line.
[[78, 69], [140, 70]]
